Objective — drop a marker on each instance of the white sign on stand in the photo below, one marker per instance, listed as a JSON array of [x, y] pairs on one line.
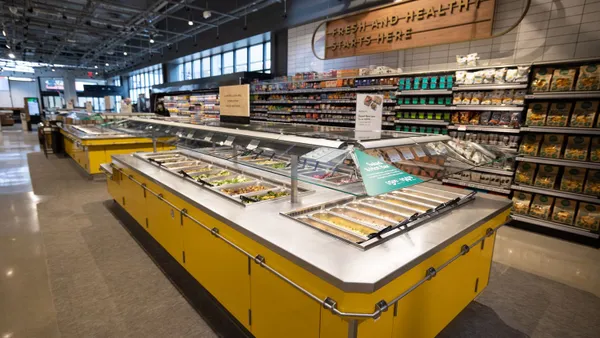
[[369, 109]]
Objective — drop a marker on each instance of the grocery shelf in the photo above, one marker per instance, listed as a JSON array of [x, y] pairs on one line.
[[388, 113], [490, 86], [489, 170], [554, 225], [423, 107], [302, 101], [337, 121], [325, 90], [424, 92], [490, 129], [280, 112], [562, 130], [333, 111], [557, 161], [422, 121], [476, 185], [305, 110], [386, 123], [564, 95], [258, 118], [556, 193], [488, 107]]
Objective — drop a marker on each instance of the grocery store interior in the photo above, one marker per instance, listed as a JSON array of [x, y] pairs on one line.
[[288, 168]]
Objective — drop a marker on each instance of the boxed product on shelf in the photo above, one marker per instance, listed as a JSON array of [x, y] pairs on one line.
[[536, 114], [572, 180], [530, 145], [546, 177], [592, 183], [589, 77], [564, 211], [595, 149], [558, 115], [584, 114], [563, 79], [577, 148], [552, 146], [541, 206], [525, 173], [521, 202], [541, 79], [588, 216]]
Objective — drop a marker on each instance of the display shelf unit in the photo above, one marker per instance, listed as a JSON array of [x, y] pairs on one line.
[[555, 225], [476, 185], [422, 121], [482, 169], [325, 90], [423, 107], [490, 129], [478, 107], [423, 92], [562, 130], [571, 95], [556, 193], [491, 86], [557, 161]]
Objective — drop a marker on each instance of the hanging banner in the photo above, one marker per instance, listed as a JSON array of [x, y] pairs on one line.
[[369, 110], [380, 177], [408, 24]]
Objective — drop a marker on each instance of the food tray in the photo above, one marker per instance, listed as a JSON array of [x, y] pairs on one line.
[[236, 188]]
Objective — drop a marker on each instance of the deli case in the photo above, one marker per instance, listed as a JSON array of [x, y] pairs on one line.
[[276, 222]]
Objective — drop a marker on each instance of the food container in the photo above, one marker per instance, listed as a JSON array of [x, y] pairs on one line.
[[245, 188], [210, 174], [414, 206], [362, 217], [354, 227], [345, 234], [228, 180], [261, 196], [373, 210]]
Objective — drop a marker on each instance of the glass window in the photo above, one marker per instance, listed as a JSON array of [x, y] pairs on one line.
[[180, 73], [216, 64], [156, 79], [228, 63], [196, 69], [206, 67], [188, 70], [268, 56], [150, 79], [241, 60], [256, 57]]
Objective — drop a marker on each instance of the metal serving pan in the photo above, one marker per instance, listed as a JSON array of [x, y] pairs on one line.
[[389, 207], [235, 188], [251, 198], [362, 217], [361, 231], [216, 181], [373, 210], [332, 230]]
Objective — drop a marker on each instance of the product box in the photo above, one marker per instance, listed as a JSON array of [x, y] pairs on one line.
[[572, 180], [541, 206], [558, 116], [417, 83], [577, 148], [433, 82], [541, 79], [563, 79], [564, 211], [525, 173], [425, 83], [401, 83], [408, 83], [552, 146], [595, 149], [588, 216], [584, 114], [592, 183], [530, 145], [536, 114], [589, 77], [546, 176]]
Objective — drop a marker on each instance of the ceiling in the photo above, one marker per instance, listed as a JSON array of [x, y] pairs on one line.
[[90, 34]]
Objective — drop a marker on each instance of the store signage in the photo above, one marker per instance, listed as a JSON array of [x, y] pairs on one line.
[[235, 103], [409, 24], [380, 177], [369, 110]]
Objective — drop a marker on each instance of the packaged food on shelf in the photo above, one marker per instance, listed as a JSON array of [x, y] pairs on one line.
[[541, 79], [589, 77], [464, 117], [495, 118], [507, 97], [505, 118], [588, 216], [477, 97], [558, 115], [572, 180], [497, 96], [522, 73], [521, 202], [564, 211], [511, 75], [530, 145], [595, 149], [466, 97], [525, 173], [475, 118], [577, 148], [592, 183], [552, 146], [499, 74], [487, 98], [584, 113], [541, 206], [519, 97], [484, 117], [563, 79], [546, 177], [536, 114]]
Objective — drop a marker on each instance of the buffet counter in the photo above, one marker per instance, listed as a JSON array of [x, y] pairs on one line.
[[281, 278]]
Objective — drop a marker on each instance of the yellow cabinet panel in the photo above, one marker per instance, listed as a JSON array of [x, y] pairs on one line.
[[164, 225], [133, 199]]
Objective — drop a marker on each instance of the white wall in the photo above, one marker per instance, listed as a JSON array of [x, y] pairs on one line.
[[552, 30], [20, 90]]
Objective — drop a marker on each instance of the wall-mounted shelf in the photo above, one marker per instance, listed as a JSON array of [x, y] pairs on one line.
[[490, 86], [422, 121], [326, 90], [556, 161], [562, 130], [476, 185], [556, 193], [424, 92], [423, 107], [564, 95], [486, 107], [554, 225], [490, 129]]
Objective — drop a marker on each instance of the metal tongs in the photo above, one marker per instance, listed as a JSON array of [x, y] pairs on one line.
[[389, 228], [182, 172], [248, 199]]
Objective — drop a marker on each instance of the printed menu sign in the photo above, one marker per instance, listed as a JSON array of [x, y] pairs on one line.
[[369, 109], [380, 177], [235, 103]]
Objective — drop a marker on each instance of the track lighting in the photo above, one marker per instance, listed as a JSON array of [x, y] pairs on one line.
[[191, 23], [4, 32], [7, 46], [206, 14], [106, 64], [96, 67], [125, 53], [151, 40], [11, 55], [169, 47]]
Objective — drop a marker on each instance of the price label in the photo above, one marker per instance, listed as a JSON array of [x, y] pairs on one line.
[[191, 134], [208, 137], [393, 155], [419, 151], [462, 128], [408, 155], [252, 145], [229, 141]]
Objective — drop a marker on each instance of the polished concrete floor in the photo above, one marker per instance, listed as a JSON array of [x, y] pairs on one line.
[[68, 268]]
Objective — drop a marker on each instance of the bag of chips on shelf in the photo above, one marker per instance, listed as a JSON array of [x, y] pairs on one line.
[[457, 98], [577, 148], [484, 118], [589, 77], [530, 145], [563, 79], [558, 116], [592, 183], [497, 96], [552, 146], [487, 98], [464, 117], [495, 118], [588, 216], [511, 75], [541, 205], [505, 118], [536, 114], [499, 74], [488, 75], [572, 180], [521, 202], [478, 77], [515, 120], [475, 118], [519, 97], [525, 173], [466, 98], [546, 177], [507, 97], [522, 73], [477, 97], [564, 211], [461, 76], [595, 149], [470, 78], [584, 114], [541, 79]]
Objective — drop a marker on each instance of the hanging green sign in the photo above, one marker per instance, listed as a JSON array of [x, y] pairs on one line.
[[380, 177]]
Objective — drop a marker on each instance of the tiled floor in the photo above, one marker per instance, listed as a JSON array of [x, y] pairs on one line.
[[69, 269]]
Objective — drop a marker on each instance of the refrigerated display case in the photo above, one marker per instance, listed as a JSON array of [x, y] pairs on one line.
[[266, 214]]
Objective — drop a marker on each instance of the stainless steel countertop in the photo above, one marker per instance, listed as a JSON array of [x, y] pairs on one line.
[[111, 134], [333, 260]]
